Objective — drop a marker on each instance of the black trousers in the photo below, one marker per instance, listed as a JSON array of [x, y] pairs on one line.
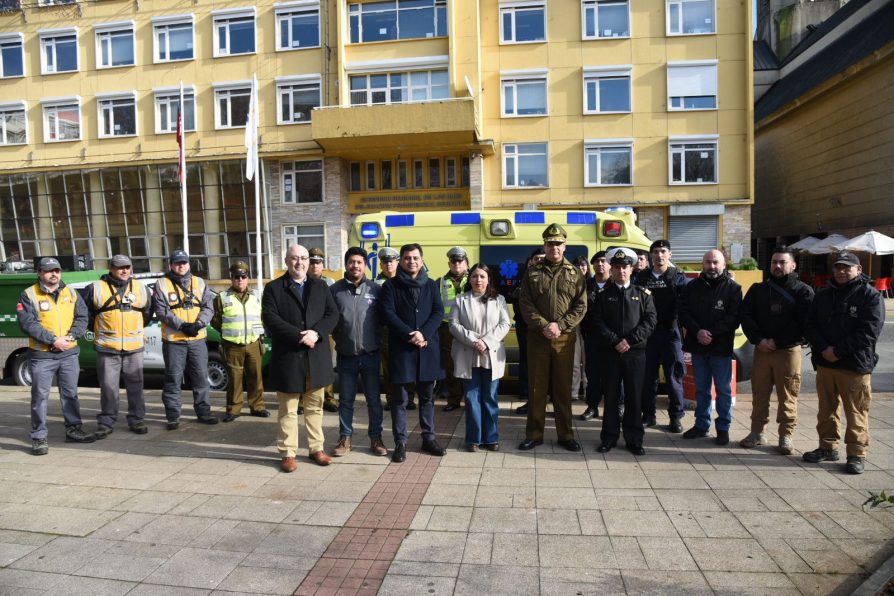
[[622, 373]]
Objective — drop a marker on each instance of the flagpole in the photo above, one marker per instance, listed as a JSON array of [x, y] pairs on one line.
[[258, 246], [182, 167], [267, 225]]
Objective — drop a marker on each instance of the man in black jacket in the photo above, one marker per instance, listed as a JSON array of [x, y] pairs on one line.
[[623, 321], [709, 313], [665, 346], [774, 314], [843, 326]]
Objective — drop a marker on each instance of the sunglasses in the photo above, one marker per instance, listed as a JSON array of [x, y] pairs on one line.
[[240, 276]]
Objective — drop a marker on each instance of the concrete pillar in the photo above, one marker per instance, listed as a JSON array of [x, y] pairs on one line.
[[99, 229], [476, 181], [211, 216]]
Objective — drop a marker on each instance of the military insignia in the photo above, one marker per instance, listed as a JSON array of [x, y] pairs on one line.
[[647, 292], [44, 305], [635, 298]]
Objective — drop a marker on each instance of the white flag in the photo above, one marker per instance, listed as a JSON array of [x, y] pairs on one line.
[[251, 131]]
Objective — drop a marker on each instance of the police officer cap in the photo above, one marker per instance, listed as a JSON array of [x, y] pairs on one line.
[[457, 254], [846, 258], [48, 264], [660, 244], [316, 255], [386, 253], [239, 267], [179, 256], [621, 256], [120, 261], [555, 233]]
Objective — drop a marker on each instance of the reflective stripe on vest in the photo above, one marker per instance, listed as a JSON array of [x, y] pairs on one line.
[[176, 298], [57, 317], [117, 329], [449, 293], [240, 323]]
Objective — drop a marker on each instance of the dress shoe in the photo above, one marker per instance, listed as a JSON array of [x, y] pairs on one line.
[[649, 420], [695, 433], [330, 406], [208, 419], [570, 445], [343, 447], [675, 426], [529, 444], [450, 407], [260, 413], [378, 447], [139, 428], [432, 448], [522, 409], [589, 414], [288, 464], [471, 447], [491, 446], [320, 458], [173, 424], [229, 417], [300, 410], [400, 453], [604, 448], [722, 438], [102, 431], [636, 450]]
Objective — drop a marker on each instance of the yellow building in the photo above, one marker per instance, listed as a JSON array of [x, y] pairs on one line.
[[407, 105]]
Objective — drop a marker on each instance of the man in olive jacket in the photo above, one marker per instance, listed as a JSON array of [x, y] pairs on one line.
[[299, 314]]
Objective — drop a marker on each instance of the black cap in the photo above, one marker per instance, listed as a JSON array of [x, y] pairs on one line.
[[598, 255], [846, 258], [660, 244], [179, 256]]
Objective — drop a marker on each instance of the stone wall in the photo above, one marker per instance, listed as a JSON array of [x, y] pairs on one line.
[[737, 231], [652, 221]]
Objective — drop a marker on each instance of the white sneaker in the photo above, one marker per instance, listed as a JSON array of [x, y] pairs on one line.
[[753, 440], [786, 447]]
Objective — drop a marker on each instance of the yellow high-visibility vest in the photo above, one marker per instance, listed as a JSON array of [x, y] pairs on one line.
[[56, 316], [240, 323], [449, 293], [119, 320], [178, 300]]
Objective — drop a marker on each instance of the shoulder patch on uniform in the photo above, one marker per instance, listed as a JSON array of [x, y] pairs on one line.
[[20, 306], [646, 291]]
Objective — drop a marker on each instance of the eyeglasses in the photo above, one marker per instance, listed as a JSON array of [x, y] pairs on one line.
[[296, 258], [240, 276], [555, 243]]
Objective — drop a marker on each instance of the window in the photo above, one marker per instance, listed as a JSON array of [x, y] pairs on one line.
[[355, 176], [234, 32], [12, 57], [58, 51], [606, 18], [117, 114], [523, 95], [418, 174], [62, 120], [522, 22], [297, 97], [385, 169], [397, 19], [693, 160], [525, 165], [450, 171], [398, 87], [13, 124], [690, 17], [692, 85], [54, 2], [608, 162], [607, 89], [402, 174], [174, 38], [167, 102], [114, 45], [298, 25], [231, 104], [308, 236], [302, 182], [434, 172], [370, 175]]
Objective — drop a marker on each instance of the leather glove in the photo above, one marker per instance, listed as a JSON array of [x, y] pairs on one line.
[[190, 329]]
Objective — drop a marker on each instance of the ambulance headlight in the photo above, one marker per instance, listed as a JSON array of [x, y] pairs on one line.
[[499, 227], [369, 231]]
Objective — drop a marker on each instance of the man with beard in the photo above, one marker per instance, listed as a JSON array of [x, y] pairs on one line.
[[451, 285], [120, 307], [709, 312], [412, 311], [774, 314]]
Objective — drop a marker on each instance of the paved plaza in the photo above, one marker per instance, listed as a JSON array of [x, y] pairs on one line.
[[205, 510]]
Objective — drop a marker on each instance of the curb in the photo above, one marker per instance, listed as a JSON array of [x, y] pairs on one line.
[[877, 581]]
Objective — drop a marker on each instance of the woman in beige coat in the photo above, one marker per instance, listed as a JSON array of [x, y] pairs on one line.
[[479, 321]]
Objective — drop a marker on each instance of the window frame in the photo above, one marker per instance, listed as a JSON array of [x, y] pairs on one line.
[[512, 78], [227, 88], [288, 169], [355, 12], [53, 105], [173, 93], [585, 4], [598, 73], [408, 86], [226, 17], [12, 107], [105, 30], [11, 39], [505, 158], [163, 25], [284, 11], [692, 64], [289, 84], [598, 145], [46, 36], [513, 7], [691, 140], [109, 98], [298, 237], [682, 3]]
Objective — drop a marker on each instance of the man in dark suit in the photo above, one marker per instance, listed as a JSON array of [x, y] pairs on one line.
[[299, 313], [412, 311]]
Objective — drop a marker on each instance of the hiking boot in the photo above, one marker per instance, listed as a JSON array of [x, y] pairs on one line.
[[785, 445], [818, 455], [39, 447], [76, 434], [139, 428], [854, 465], [102, 431], [695, 433], [753, 440], [378, 447], [343, 446], [173, 424]]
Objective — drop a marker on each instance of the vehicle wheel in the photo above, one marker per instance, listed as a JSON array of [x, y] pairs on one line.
[[21, 371], [218, 375]]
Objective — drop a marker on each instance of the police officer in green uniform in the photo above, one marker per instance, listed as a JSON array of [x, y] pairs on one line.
[[451, 285], [237, 315], [553, 302]]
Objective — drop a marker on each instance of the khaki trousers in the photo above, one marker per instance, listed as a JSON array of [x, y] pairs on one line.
[[854, 392], [550, 363], [244, 364], [780, 369], [287, 438]]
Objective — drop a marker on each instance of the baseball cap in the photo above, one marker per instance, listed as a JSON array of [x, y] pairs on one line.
[[386, 253], [48, 264], [179, 256], [846, 258], [621, 256], [120, 261], [316, 255]]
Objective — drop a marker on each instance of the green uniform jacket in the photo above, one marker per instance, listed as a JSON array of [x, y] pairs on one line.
[[553, 293]]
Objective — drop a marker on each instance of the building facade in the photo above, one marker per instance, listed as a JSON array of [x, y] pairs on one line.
[[365, 106]]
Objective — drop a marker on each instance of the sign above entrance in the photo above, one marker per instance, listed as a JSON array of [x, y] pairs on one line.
[[448, 199]]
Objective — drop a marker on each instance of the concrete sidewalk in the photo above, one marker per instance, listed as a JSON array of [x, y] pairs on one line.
[[205, 510]]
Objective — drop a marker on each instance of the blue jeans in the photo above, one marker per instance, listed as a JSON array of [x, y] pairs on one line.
[[482, 408], [718, 369], [366, 366], [664, 348], [42, 372]]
